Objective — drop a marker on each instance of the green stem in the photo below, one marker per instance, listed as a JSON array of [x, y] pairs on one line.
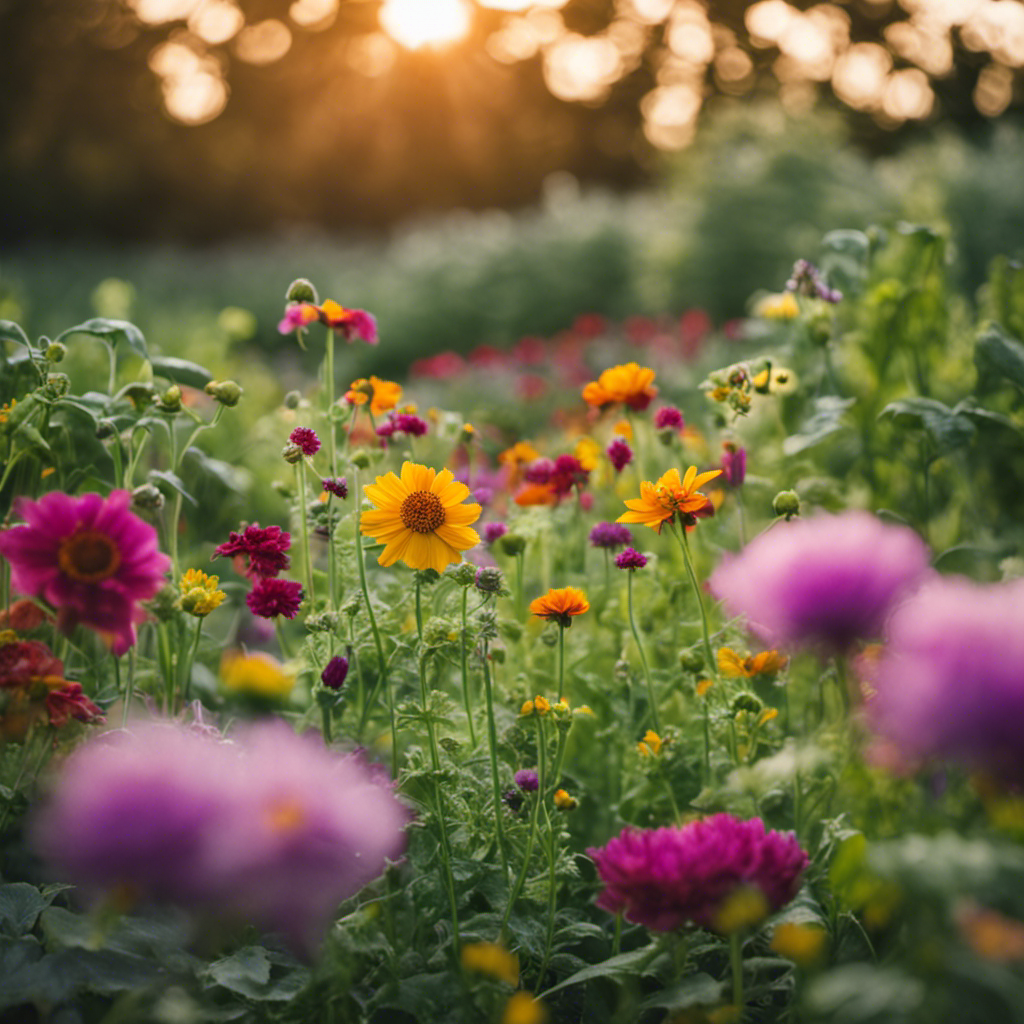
[[520, 585], [360, 561], [552, 893], [332, 451], [466, 695], [736, 957], [643, 657], [707, 742], [556, 774], [685, 545], [561, 660], [307, 553], [435, 760], [492, 742], [187, 663], [617, 939]]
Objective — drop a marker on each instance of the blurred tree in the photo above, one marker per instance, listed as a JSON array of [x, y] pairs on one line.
[[199, 118]]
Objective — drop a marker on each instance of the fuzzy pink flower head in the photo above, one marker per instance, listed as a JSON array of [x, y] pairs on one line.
[[949, 683], [306, 439], [263, 546], [177, 814], [271, 597], [668, 417], [619, 453], [667, 877], [298, 316], [90, 557], [826, 581]]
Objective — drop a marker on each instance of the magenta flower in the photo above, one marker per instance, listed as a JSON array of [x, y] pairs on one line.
[[271, 597], [619, 453], [493, 532], [610, 536], [825, 581], [734, 464], [90, 557], [527, 780], [338, 486], [667, 877], [298, 316], [175, 814], [668, 417], [950, 683], [335, 673], [630, 559], [263, 546], [306, 439]]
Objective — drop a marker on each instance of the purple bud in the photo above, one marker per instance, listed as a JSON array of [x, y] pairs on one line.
[[734, 464], [668, 417], [333, 676], [494, 531], [630, 559], [620, 454], [527, 780]]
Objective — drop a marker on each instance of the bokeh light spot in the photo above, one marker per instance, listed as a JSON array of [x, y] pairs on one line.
[[415, 24], [264, 42]]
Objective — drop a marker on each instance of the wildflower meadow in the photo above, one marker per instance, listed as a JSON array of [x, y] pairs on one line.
[[656, 670]]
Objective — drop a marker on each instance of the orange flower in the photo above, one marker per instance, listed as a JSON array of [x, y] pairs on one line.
[[560, 605], [766, 663], [660, 502], [522, 453], [383, 395], [630, 383], [536, 494]]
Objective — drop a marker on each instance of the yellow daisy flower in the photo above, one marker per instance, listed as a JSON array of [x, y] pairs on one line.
[[629, 383], [420, 518], [383, 395], [660, 502], [257, 675], [199, 593], [560, 605]]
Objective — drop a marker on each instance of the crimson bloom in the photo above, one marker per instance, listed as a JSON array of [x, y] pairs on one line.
[[264, 546], [664, 878], [272, 597], [90, 557]]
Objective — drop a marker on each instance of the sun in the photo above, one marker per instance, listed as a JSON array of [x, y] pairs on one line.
[[418, 23]]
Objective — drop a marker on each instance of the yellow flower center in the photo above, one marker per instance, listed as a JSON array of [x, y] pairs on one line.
[[422, 512], [88, 556], [284, 815]]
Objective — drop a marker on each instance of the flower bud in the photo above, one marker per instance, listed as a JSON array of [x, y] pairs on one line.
[[57, 385], [691, 661], [227, 392], [746, 702], [170, 400], [292, 400], [512, 544], [360, 459], [565, 802], [291, 453], [105, 429], [148, 497], [463, 574], [786, 503], [323, 622], [302, 290], [333, 676], [489, 580], [56, 351]]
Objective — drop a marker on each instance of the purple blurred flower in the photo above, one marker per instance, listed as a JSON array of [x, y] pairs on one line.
[[174, 814], [620, 454], [630, 559], [409, 424], [338, 486], [826, 581], [668, 417], [494, 531], [527, 780], [734, 464], [90, 557], [667, 877], [272, 597], [264, 546], [610, 536], [949, 683], [306, 439], [806, 280], [334, 673]]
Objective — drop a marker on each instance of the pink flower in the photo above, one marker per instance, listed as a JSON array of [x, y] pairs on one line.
[[306, 439], [264, 546], [273, 597], [298, 316], [70, 702], [668, 417], [666, 877], [620, 454], [90, 557], [349, 323]]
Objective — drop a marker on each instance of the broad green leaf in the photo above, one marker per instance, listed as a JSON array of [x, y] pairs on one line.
[[1001, 351], [948, 430], [173, 481], [20, 906], [969, 407], [246, 972], [825, 420], [635, 964], [181, 371], [697, 990], [10, 331], [864, 994], [111, 332]]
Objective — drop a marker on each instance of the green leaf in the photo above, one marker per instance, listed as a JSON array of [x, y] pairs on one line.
[[111, 332], [949, 430], [20, 906], [825, 420], [637, 963], [1004, 353], [173, 481], [181, 371], [31, 436], [246, 972], [969, 407], [10, 331], [697, 990], [864, 994]]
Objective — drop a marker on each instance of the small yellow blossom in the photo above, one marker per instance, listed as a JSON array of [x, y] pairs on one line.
[[624, 429], [563, 801], [6, 410], [199, 593], [801, 943], [561, 707], [8, 636], [49, 471], [587, 451], [541, 705], [731, 665], [650, 745], [527, 708], [704, 686], [743, 908], [780, 306], [522, 1008], [583, 709], [991, 935], [492, 959], [256, 675], [766, 716]]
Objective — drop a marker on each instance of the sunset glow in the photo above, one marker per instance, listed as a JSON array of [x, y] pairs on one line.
[[415, 24]]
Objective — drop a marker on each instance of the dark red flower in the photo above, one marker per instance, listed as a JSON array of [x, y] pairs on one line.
[[273, 597], [70, 702], [264, 546]]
